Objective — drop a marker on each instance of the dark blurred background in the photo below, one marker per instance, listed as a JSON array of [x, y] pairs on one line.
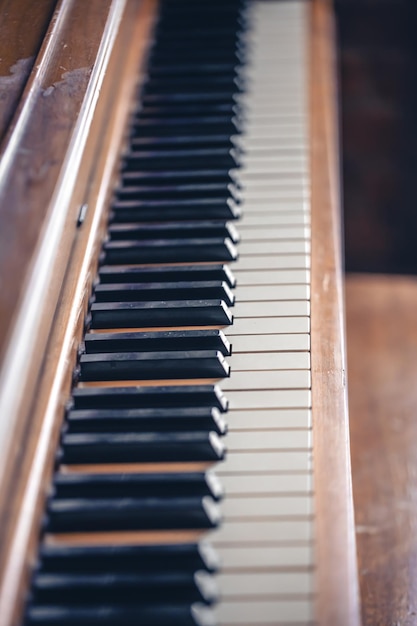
[[378, 80]]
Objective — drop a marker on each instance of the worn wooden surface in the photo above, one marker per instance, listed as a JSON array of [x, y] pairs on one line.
[[23, 24], [337, 598], [382, 360]]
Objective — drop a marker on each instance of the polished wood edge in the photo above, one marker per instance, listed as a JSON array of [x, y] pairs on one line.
[[337, 581], [30, 475], [41, 189]]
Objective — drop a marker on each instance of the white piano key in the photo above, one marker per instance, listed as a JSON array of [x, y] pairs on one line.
[[280, 162], [266, 484], [269, 419], [268, 325], [247, 440], [269, 343], [276, 233], [276, 206], [271, 277], [261, 532], [269, 613], [268, 461], [246, 506], [259, 221], [248, 361], [278, 308], [240, 584], [249, 557], [255, 146], [275, 130], [296, 246], [289, 127], [266, 379], [272, 262], [271, 293], [269, 399]]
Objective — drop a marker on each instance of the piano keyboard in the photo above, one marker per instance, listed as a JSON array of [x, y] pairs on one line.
[[164, 372]]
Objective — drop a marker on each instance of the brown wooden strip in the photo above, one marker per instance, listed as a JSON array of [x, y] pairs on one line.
[[134, 468], [337, 583], [137, 538]]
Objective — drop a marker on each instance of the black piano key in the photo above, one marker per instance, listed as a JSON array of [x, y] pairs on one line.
[[149, 447], [177, 177], [158, 341], [125, 485], [194, 230], [184, 142], [159, 126], [105, 615], [142, 420], [170, 313], [170, 250], [190, 190], [149, 397], [188, 98], [194, 84], [128, 558], [193, 69], [145, 292], [124, 589], [146, 211], [172, 365], [85, 515], [186, 159], [190, 111], [180, 273]]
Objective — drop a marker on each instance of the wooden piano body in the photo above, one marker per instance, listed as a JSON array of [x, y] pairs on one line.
[[64, 126]]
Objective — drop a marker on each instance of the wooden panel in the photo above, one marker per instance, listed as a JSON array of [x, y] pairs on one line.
[[23, 24], [382, 359], [336, 557]]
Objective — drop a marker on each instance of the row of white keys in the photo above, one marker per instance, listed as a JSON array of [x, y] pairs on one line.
[[265, 541]]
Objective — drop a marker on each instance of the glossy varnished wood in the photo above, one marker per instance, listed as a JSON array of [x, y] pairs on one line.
[[337, 601], [382, 360]]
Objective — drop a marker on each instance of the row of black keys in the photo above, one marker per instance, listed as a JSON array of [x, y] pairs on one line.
[[124, 585], [178, 192]]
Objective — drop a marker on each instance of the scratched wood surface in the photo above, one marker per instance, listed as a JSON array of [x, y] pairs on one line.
[[23, 24], [382, 366]]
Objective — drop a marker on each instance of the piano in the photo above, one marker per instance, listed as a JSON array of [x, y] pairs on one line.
[[174, 440]]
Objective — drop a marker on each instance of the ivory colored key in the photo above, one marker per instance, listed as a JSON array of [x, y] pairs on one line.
[[270, 613], [268, 461], [268, 325], [266, 379], [272, 277], [260, 532], [269, 360], [269, 419], [268, 439]]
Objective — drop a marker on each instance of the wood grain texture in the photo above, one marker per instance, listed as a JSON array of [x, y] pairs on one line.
[[382, 359], [337, 598]]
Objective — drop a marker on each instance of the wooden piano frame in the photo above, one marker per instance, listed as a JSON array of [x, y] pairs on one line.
[[58, 164]]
